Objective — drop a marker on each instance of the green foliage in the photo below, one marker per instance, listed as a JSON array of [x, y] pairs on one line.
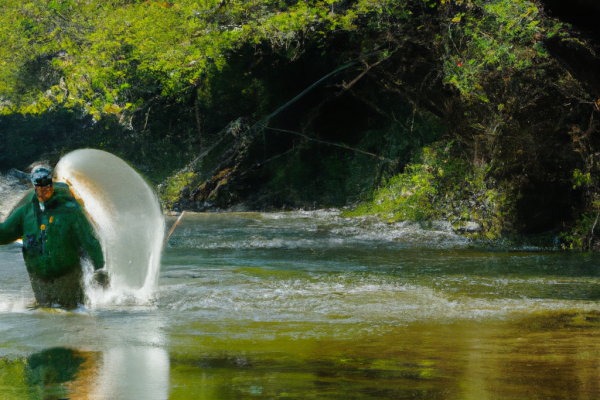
[[442, 186], [581, 234], [111, 57], [492, 36], [579, 178], [155, 153], [175, 185], [173, 74]]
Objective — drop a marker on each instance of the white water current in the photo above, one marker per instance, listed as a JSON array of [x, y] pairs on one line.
[[128, 220]]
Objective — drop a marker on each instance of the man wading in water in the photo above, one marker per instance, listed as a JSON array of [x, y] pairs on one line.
[[56, 234]]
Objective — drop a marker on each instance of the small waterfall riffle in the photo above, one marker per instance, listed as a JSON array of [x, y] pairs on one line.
[[128, 221]]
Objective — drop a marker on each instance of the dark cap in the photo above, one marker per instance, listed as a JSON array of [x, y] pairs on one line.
[[41, 176]]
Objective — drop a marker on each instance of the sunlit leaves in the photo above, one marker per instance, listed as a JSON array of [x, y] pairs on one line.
[[122, 52], [494, 35], [115, 53]]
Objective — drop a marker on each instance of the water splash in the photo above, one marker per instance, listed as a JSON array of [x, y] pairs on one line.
[[128, 221]]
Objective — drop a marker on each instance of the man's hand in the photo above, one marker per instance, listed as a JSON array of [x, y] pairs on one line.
[[101, 277]]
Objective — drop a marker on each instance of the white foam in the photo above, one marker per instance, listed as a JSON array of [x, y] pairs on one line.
[[318, 229]]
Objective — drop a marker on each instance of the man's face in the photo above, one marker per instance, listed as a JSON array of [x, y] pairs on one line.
[[44, 192]]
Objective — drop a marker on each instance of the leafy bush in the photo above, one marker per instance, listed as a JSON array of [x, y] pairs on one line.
[[440, 185]]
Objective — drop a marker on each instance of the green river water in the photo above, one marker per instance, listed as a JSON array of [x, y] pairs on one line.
[[309, 305]]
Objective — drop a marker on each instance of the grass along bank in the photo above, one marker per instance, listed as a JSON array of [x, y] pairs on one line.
[[440, 184]]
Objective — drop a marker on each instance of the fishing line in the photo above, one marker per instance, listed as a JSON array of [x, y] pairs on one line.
[[263, 123]]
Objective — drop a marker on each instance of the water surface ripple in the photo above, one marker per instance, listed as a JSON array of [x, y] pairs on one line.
[[314, 305]]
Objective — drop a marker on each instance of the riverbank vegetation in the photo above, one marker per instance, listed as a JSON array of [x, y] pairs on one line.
[[442, 186], [479, 112]]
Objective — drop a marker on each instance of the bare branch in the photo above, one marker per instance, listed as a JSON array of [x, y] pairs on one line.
[[332, 144], [369, 67]]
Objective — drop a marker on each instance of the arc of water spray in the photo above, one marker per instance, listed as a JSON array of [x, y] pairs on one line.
[[127, 219]]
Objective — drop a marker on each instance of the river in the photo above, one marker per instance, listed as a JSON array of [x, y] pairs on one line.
[[310, 305]]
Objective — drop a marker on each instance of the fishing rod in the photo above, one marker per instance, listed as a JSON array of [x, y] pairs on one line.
[[173, 229], [333, 144]]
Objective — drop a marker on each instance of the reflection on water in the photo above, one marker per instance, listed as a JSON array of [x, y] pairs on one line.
[[60, 372], [551, 356], [456, 361], [131, 373], [42, 374], [310, 305]]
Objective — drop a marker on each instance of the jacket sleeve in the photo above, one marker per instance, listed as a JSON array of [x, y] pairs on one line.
[[88, 240], [12, 228]]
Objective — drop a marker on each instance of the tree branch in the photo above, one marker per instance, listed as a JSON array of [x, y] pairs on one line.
[[369, 67], [332, 144]]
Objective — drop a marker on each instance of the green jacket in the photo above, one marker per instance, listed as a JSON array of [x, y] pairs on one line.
[[56, 250]]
